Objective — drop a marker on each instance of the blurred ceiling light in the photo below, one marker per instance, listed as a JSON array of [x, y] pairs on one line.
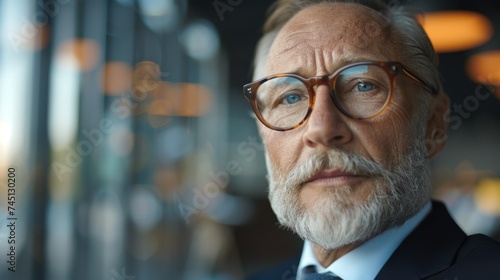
[[452, 31], [162, 15], [484, 68], [186, 100], [116, 77], [146, 76], [200, 40], [85, 52], [487, 196]]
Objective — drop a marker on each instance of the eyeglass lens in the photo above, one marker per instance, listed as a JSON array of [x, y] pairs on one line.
[[360, 91]]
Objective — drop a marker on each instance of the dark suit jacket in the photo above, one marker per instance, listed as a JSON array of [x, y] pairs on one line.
[[436, 249]]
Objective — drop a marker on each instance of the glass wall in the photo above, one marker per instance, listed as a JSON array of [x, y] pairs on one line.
[[112, 116]]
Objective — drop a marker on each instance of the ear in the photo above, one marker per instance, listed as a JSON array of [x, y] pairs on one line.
[[437, 123]]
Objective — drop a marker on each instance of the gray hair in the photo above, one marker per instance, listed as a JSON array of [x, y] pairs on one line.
[[415, 46]]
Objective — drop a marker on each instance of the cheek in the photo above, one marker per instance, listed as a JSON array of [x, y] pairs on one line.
[[388, 137], [282, 148]]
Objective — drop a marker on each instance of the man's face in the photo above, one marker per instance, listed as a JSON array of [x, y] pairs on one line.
[[335, 180]]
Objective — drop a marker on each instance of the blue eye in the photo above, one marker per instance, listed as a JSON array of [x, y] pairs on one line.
[[292, 98], [361, 86]]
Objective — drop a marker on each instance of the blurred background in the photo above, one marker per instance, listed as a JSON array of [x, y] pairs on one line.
[[133, 148]]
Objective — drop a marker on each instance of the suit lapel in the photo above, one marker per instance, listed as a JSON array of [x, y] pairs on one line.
[[429, 249]]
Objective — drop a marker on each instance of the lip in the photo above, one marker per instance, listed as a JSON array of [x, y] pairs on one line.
[[333, 177]]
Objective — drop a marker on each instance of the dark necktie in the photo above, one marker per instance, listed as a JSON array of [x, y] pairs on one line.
[[310, 273]]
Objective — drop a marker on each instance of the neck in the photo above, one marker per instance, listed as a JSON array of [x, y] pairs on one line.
[[326, 257]]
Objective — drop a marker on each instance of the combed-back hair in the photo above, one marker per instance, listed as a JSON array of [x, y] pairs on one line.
[[416, 48]]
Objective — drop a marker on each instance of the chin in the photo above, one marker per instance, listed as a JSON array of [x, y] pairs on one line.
[[332, 217], [345, 196]]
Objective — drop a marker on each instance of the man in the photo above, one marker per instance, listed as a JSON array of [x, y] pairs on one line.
[[349, 131]]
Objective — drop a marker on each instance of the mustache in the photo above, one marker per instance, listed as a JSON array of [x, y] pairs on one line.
[[334, 159]]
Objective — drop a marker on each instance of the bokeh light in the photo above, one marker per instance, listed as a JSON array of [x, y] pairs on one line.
[[85, 51], [146, 76], [185, 99], [161, 15], [159, 113], [487, 196], [452, 31], [121, 140], [484, 68], [116, 77], [200, 40], [145, 209]]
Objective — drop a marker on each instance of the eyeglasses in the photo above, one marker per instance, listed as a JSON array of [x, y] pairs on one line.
[[360, 90]]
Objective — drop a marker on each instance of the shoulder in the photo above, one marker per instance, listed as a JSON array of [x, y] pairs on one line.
[[286, 270], [479, 244], [439, 249], [481, 251], [477, 258]]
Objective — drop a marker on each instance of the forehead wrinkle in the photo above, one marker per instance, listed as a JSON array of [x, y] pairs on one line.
[[320, 62], [305, 61], [312, 37], [319, 45]]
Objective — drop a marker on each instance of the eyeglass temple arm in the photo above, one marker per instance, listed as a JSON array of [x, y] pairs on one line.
[[412, 76]]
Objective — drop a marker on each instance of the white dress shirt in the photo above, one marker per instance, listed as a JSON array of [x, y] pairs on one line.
[[366, 260]]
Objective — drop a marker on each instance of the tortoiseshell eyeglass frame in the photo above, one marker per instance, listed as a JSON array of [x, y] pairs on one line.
[[392, 68]]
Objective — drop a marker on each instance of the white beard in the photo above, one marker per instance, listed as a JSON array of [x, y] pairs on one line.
[[338, 218]]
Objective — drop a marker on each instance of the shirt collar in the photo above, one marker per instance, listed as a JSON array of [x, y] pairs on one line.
[[370, 256]]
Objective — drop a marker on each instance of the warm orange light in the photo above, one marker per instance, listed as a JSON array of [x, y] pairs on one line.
[[452, 31], [159, 113], [484, 68], [187, 100], [116, 78], [39, 40], [487, 196], [42, 38], [146, 76], [85, 52]]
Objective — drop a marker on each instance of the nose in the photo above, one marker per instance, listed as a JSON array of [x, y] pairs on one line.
[[326, 125]]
